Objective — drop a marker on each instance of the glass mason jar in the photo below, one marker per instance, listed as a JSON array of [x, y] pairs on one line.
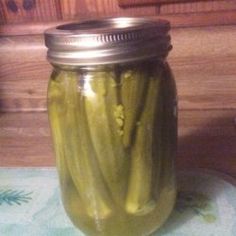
[[112, 110]]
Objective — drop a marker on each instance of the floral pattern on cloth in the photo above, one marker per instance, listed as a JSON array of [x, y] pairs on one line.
[[30, 205]]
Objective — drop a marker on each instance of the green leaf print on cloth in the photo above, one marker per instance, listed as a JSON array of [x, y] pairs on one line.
[[199, 203], [11, 197]]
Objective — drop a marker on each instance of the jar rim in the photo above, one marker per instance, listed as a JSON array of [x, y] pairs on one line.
[[108, 40]]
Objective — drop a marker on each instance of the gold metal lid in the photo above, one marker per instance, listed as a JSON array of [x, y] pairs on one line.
[[106, 41]]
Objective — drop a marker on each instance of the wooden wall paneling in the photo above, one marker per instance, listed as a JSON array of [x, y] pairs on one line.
[[131, 3], [206, 139], [16, 11], [72, 8], [2, 14], [25, 140], [181, 4], [43, 11], [87, 9], [110, 8], [180, 14], [24, 73], [35, 28], [204, 65], [192, 13], [197, 6], [176, 20], [206, 42], [203, 61], [201, 18], [79, 9], [205, 83]]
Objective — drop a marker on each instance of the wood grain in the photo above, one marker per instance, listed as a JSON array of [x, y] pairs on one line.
[[188, 13], [198, 7], [206, 139], [204, 65], [201, 18], [206, 83], [2, 14], [25, 140], [131, 3], [33, 28], [87, 9], [71, 9], [203, 61], [24, 73], [16, 11], [177, 21]]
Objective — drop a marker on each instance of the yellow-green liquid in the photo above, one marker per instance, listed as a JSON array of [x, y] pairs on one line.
[[114, 132], [120, 222]]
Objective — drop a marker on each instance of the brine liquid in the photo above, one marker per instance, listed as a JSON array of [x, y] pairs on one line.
[[114, 133], [120, 223]]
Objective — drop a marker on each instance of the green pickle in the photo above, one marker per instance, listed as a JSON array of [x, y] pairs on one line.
[[114, 132]]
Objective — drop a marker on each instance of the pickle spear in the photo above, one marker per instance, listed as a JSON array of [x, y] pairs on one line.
[[56, 110], [81, 158], [139, 199], [133, 89], [100, 100]]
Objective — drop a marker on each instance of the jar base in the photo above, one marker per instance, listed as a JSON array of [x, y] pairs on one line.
[[123, 224]]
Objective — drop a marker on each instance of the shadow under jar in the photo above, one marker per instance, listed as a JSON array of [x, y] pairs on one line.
[[113, 115]]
